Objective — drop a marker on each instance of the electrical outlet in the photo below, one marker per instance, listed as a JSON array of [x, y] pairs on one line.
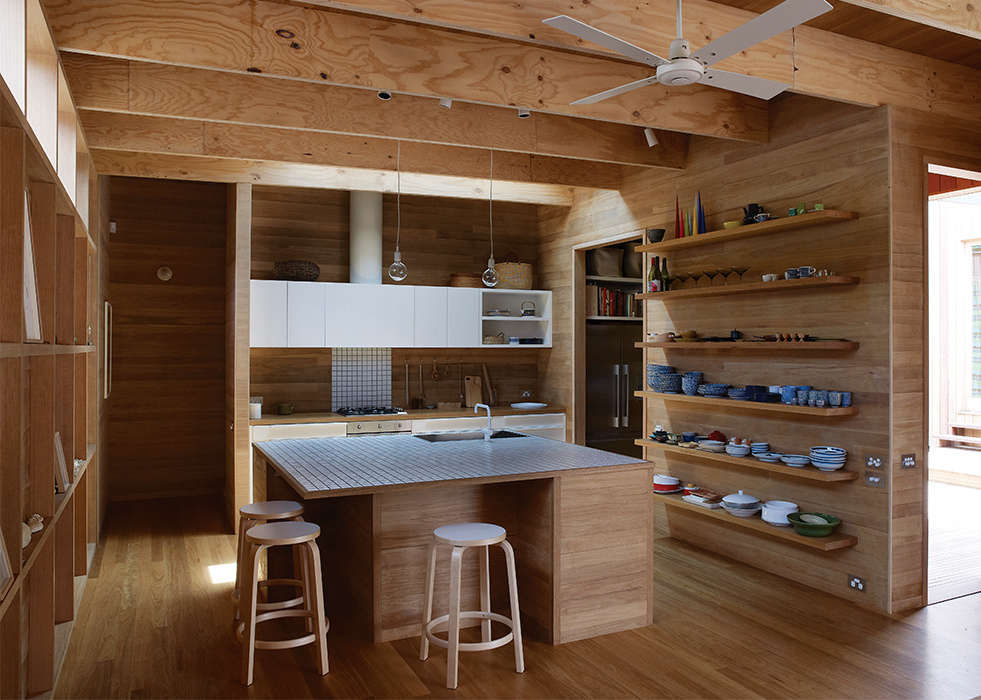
[[875, 480], [112, 227], [873, 462], [909, 461], [856, 582]]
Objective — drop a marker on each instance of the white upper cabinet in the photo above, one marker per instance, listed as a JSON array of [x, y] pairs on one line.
[[267, 310], [430, 317], [462, 317], [305, 303], [369, 316]]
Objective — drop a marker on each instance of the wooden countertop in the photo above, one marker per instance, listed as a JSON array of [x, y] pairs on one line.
[[418, 414]]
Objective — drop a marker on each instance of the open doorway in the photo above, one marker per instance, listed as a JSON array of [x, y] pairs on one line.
[[954, 477]]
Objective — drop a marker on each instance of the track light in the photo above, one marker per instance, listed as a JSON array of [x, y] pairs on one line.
[[445, 102], [384, 95], [523, 114], [650, 136]]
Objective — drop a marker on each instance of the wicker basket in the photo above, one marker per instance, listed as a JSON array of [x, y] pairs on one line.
[[296, 270], [514, 275]]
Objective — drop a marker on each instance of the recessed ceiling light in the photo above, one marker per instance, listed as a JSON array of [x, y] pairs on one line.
[[523, 114], [384, 95], [445, 102]]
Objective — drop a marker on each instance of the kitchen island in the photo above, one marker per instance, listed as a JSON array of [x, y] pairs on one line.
[[580, 521]]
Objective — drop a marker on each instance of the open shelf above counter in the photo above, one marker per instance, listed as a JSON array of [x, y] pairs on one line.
[[752, 346], [816, 218], [751, 288], [748, 462], [824, 544], [727, 403]]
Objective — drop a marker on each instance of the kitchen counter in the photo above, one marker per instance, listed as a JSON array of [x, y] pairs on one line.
[[330, 417], [323, 467]]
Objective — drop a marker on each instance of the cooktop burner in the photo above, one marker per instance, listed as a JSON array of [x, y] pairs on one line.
[[369, 411]]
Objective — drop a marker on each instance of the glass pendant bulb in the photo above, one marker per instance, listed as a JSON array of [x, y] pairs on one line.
[[490, 278], [397, 270]]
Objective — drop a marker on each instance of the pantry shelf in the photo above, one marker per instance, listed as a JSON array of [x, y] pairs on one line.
[[751, 288], [750, 405], [790, 223], [809, 473], [755, 524], [752, 346]]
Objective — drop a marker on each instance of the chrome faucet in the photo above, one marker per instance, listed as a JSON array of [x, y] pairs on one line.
[[486, 431]]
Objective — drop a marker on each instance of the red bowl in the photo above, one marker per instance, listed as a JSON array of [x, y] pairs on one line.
[[666, 487]]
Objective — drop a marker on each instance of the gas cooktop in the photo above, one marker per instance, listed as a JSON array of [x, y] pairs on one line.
[[370, 411]]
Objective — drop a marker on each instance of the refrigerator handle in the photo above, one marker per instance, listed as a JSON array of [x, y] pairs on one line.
[[616, 392], [626, 396]]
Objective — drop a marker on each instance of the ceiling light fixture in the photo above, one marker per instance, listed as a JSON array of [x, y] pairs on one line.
[[384, 95], [523, 114], [445, 102], [650, 136], [490, 278], [397, 270]]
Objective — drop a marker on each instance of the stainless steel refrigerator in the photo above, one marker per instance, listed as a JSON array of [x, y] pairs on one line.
[[614, 371]]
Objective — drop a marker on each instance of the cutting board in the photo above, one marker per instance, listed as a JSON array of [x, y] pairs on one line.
[[473, 393]]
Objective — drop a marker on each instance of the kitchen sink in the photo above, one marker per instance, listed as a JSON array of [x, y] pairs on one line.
[[469, 435]]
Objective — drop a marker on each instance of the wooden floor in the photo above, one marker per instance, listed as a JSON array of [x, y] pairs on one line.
[[955, 542], [152, 624]]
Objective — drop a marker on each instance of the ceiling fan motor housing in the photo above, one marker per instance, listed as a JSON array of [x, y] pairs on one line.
[[680, 71]]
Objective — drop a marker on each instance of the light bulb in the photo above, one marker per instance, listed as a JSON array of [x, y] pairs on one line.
[[490, 277], [397, 270]]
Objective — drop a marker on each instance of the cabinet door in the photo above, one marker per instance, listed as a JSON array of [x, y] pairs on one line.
[[368, 316], [463, 317], [305, 314], [267, 314], [430, 323]]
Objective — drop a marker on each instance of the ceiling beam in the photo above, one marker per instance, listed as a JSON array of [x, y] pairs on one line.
[[323, 45], [208, 169], [190, 137], [957, 17], [163, 90]]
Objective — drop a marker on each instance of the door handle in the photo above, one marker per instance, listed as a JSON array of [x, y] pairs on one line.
[[616, 390], [626, 395]]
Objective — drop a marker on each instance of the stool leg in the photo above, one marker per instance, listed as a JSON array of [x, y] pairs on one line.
[[303, 573], [427, 614], [519, 652], [315, 585], [453, 625], [248, 614], [239, 562], [485, 625]]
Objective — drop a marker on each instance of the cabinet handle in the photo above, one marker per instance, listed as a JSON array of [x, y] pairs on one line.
[[626, 396], [107, 350], [616, 390]]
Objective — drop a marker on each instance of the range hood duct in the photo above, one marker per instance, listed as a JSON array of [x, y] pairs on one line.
[[366, 237]]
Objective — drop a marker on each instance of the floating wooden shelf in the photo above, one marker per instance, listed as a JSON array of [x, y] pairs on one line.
[[750, 405], [615, 318], [750, 288], [790, 223], [615, 280], [752, 346], [540, 319], [810, 473], [756, 524]]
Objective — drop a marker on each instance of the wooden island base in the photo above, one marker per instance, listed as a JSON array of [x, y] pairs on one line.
[[583, 540]]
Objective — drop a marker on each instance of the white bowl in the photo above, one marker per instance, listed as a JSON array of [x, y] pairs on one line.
[[775, 512], [828, 467], [741, 512], [666, 480], [737, 450]]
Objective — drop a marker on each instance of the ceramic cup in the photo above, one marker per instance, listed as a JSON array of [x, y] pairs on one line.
[[802, 397], [688, 437], [791, 274], [689, 384], [788, 393], [812, 397], [822, 396], [805, 271], [820, 403], [769, 277], [846, 398], [834, 398]]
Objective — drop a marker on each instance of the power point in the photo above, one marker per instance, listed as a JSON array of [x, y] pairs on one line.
[[909, 461], [112, 227], [873, 462], [856, 582], [875, 480]]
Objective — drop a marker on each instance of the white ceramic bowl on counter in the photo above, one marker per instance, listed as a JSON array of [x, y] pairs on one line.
[[737, 450], [776, 512]]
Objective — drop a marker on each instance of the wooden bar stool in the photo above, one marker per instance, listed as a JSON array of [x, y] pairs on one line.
[[255, 514], [302, 537], [460, 537]]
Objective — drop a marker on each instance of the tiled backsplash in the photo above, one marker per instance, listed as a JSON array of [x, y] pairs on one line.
[[361, 377]]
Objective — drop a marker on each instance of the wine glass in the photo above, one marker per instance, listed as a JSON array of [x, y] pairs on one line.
[[741, 270], [696, 276], [726, 271], [683, 277], [711, 274]]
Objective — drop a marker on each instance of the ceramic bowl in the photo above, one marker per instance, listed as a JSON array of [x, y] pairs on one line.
[[731, 224], [795, 460], [776, 512], [741, 512], [655, 235], [741, 500], [811, 525], [666, 383], [666, 480], [770, 277], [737, 450], [768, 456]]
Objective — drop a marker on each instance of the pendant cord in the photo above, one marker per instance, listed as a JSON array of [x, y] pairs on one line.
[[398, 192], [491, 203]]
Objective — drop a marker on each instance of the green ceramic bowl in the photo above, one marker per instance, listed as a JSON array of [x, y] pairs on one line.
[[807, 529]]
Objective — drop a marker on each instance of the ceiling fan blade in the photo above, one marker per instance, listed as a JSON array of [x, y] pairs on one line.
[[588, 33], [784, 16], [613, 92], [745, 84]]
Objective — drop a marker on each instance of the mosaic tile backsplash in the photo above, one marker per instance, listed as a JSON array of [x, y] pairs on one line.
[[361, 377]]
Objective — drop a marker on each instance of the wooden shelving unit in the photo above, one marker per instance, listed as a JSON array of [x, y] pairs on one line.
[[752, 346], [830, 543], [751, 288], [615, 280], [790, 223], [751, 405], [637, 319], [749, 462]]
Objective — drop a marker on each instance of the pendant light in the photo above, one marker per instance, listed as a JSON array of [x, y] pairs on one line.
[[397, 270], [490, 278]]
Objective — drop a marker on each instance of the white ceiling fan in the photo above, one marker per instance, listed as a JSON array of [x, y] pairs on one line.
[[685, 68]]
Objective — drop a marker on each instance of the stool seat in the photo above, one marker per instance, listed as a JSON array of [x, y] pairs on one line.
[[283, 533], [271, 510], [470, 534]]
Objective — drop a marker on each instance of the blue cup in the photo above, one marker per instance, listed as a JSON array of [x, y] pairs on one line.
[[802, 397], [834, 399], [791, 273], [689, 384], [822, 396], [788, 393], [688, 437], [846, 398], [804, 387], [812, 397]]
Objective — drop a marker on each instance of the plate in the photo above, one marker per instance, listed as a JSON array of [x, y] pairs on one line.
[[665, 492], [528, 405]]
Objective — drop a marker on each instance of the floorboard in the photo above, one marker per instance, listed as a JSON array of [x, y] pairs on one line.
[[955, 542], [153, 624]]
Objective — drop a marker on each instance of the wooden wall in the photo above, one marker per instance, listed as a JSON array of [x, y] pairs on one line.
[[440, 235], [166, 412], [917, 139], [818, 151]]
